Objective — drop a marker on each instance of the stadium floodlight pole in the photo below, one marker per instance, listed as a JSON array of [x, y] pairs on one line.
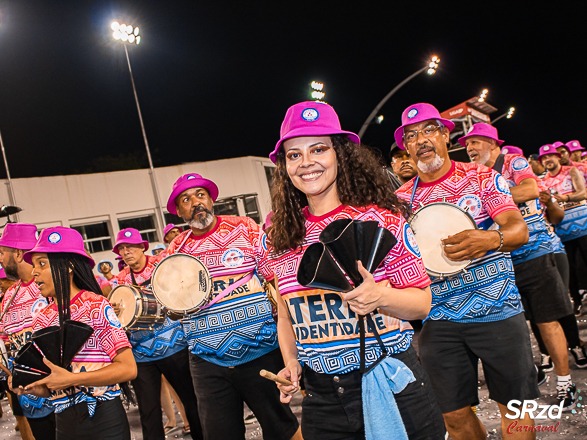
[[430, 69], [509, 115], [11, 195], [127, 34]]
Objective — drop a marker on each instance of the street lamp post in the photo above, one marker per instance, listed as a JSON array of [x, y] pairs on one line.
[[430, 69], [129, 35], [508, 115]]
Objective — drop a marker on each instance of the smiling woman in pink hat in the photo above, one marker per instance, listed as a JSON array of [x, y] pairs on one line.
[[83, 383], [323, 175]]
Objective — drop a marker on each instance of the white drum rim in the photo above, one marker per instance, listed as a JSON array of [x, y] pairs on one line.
[[157, 290], [138, 304], [451, 267]]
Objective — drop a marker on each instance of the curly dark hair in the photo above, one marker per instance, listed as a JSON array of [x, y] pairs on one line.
[[361, 180]]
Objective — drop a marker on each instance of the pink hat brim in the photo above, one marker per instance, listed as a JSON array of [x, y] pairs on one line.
[[311, 131], [398, 134], [200, 182], [145, 244]]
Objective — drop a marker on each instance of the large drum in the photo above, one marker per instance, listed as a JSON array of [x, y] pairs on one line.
[[433, 223], [182, 284], [137, 308]]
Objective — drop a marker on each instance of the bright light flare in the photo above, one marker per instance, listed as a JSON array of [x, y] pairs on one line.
[[510, 113], [433, 65], [125, 32]]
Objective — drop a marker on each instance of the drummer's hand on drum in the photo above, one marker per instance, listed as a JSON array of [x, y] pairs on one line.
[[367, 296], [115, 307], [468, 244], [291, 372]]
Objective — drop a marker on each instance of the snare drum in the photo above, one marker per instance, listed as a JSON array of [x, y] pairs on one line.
[[137, 308], [433, 223], [182, 284]]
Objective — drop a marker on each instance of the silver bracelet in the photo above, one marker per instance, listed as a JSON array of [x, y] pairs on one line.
[[500, 240]]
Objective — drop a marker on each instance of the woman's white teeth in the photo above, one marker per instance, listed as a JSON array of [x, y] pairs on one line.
[[311, 176]]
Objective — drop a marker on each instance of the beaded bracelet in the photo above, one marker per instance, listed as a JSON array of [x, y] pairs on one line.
[[500, 240]]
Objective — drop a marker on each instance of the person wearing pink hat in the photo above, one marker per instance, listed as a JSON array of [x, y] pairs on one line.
[[324, 174], [575, 149], [83, 383], [566, 151], [536, 264], [170, 232], [227, 354], [20, 304], [468, 307], [160, 351], [567, 183]]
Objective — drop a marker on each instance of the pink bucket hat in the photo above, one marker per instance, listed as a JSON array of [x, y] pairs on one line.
[[129, 236], [19, 236], [481, 129], [510, 149], [310, 118], [547, 149], [574, 146], [558, 144], [416, 113], [169, 227], [187, 181], [59, 239]]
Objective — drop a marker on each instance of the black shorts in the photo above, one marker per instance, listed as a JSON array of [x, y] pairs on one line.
[[15, 405], [542, 289], [450, 353]]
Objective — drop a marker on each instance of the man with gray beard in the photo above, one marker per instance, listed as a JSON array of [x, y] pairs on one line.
[[472, 307], [234, 334]]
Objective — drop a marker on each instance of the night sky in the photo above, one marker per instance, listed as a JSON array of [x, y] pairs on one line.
[[214, 79]]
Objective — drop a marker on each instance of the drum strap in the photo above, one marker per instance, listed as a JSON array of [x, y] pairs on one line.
[[244, 279], [362, 336], [498, 165]]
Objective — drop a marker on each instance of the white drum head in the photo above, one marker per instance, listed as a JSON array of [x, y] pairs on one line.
[[127, 299], [435, 222], [181, 283]]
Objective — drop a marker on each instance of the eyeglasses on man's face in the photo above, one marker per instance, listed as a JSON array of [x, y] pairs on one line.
[[411, 136]]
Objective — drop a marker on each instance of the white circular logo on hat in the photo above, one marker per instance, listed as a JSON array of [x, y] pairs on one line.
[[128, 234], [190, 177], [547, 148], [412, 113], [310, 114], [54, 237]]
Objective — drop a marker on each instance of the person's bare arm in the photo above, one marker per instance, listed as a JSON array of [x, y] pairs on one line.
[[475, 243], [526, 190]]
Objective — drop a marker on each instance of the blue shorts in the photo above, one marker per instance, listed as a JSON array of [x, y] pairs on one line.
[[450, 352]]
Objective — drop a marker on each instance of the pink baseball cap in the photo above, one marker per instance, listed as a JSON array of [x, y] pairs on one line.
[[129, 236], [510, 149], [310, 118], [187, 181], [59, 239], [547, 149], [19, 236], [416, 113], [481, 129], [574, 146]]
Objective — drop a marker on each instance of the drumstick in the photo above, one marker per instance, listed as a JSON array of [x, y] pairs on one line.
[[274, 377]]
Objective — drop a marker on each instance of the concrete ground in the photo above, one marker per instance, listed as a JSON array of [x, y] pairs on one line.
[[572, 425]]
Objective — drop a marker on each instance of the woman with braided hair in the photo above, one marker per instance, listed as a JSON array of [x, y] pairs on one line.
[[85, 394]]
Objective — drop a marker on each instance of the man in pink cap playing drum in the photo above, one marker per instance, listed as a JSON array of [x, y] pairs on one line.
[[535, 263], [471, 306], [160, 350], [233, 336]]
